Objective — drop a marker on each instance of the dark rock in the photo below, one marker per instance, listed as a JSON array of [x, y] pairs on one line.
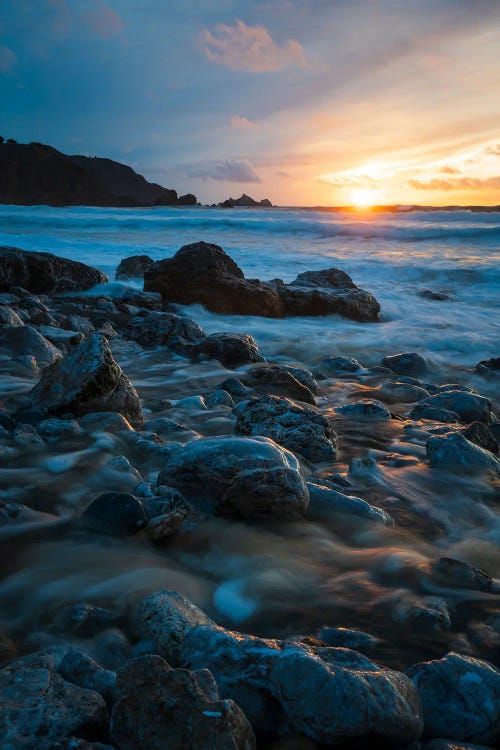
[[459, 574], [326, 500], [492, 364], [410, 363], [58, 429], [300, 429], [277, 381], [87, 380], [166, 513], [60, 337], [347, 638], [165, 329], [303, 375], [133, 267], [469, 406], [431, 294], [38, 705], [107, 421], [219, 398], [77, 323], [231, 349], [454, 450], [144, 300], [44, 272], [9, 317], [494, 428], [245, 201], [328, 292], [332, 366], [187, 200], [248, 477], [400, 393], [235, 388], [84, 620], [79, 669], [27, 341], [478, 433], [203, 273], [460, 698], [116, 514], [434, 414], [365, 409], [159, 707]]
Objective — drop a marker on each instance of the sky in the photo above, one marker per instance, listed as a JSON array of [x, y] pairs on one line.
[[304, 102]]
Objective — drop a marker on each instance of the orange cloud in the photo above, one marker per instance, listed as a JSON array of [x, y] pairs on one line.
[[242, 123], [250, 48], [463, 183]]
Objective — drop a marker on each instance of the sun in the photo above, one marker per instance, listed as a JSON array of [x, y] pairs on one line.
[[363, 198]]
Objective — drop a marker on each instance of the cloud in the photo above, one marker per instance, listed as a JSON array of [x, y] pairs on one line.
[[250, 48], [231, 170], [104, 22], [362, 180], [8, 59], [449, 170], [493, 150], [242, 123], [462, 183]]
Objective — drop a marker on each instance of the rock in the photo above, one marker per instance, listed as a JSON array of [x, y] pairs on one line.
[[37, 704], [433, 295], [17, 341], [454, 450], [166, 514], [248, 477], [401, 393], [494, 428], [278, 381], [133, 267], [347, 638], [165, 329], [60, 337], [170, 429], [83, 620], [328, 292], [107, 421], [434, 414], [245, 201], [44, 272], [365, 409], [277, 685], [27, 435], [164, 619], [324, 499], [116, 514], [469, 406], [159, 707], [488, 366], [300, 429], [460, 698], [235, 388], [478, 433], [231, 349], [303, 375], [9, 317], [219, 398], [191, 403], [87, 380], [333, 366], [77, 323], [446, 572], [58, 429], [79, 669], [409, 363], [187, 200], [203, 273]]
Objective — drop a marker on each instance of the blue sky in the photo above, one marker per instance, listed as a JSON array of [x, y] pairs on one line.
[[301, 101]]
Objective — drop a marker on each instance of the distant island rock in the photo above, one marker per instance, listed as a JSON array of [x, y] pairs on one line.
[[36, 174], [245, 201]]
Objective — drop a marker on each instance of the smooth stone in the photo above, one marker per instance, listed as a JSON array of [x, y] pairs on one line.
[[324, 499], [469, 406], [107, 421], [165, 329], [276, 381], [409, 363], [17, 341], [365, 409], [60, 337], [434, 414], [453, 450], [81, 670], [230, 349], [332, 366], [9, 317], [116, 514], [44, 272], [191, 403], [57, 429], [219, 398], [133, 267]]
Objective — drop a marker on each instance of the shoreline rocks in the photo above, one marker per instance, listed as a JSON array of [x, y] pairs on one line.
[[44, 272]]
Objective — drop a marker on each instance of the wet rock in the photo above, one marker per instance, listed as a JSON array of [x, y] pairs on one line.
[[409, 363], [277, 381], [79, 669], [170, 429], [83, 619], [276, 684], [61, 337], [166, 513], [488, 367], [27, 435], [58, 429], [87, 380], [324, 499], [469, 406], [116, 514], [434, 414], [44, 272], [459, 574], [400, 393], [365, 409], [478, 433], [434, 295], [333, 366], [191, 403], [300, 429], [219, 398], [165, 329], [17, 341], [303, 375], [133, 267], [236, 388], [247, 477], [78, 323], [203, 273], [9, 317], [347, 638], [143, 300], [460, 698], [164, 619], [494, 428], [159, 706], [328, 292], [454, 450], [231, 349], [107, 421], [37, 704]]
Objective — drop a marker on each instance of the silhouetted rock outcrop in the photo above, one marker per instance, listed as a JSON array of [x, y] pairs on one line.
[[246, 201], [44, 272], [35, 174]]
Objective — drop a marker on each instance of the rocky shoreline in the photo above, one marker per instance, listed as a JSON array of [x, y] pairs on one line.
[[379, 640]]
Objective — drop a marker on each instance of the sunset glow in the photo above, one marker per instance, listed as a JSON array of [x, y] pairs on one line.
[[363, 198]]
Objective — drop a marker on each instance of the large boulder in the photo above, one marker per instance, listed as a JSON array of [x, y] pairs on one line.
[[231, 349], [37, 705], [460, 698], [328, 292], [300, 429], [44, 272], [165, 329], [203, 273], [133, 267], [247, 477], [26, 341], [469, 406], [453, 450], [87, 380], [159, 707], [331, 695]]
